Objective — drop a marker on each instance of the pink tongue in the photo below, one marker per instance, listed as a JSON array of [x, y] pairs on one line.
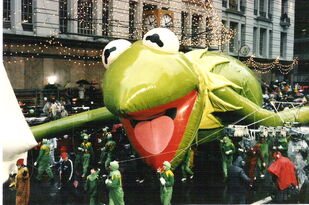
[[154, 135]]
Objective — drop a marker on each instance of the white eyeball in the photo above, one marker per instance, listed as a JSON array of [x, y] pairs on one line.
[[161, 39], [112, 50]]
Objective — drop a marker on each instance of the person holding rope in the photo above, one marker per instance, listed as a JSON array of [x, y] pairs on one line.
[[66, 177], [21, 183], [43, 161], [114, 184], [185, 166], [86, 149], [227, 152], [92, 186], [166, 177], [283, 171]]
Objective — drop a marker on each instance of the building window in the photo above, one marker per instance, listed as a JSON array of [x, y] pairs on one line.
[[284, 7], [243, 34], [209, 32], [263, 39], [224, 3], [132, 16], [6, 14], [255, 40], [196, 19], [184, 17], [26, 15], [283, 42], [256, 7], [270, 44], [85, 19], [234, 41], [270, 9], [105, 17], [233, 4], [149, 7], [63, 16], [242, 6], [263, 8]]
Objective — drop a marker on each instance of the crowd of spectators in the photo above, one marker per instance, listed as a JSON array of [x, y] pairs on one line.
[[281, 95]]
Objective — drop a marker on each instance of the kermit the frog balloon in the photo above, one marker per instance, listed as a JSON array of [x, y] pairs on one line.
[[166, 99]]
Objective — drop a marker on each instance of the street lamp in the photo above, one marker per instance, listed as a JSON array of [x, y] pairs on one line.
[[51, 79]]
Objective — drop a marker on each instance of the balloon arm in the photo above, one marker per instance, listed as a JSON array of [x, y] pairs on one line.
[[262, 116], [50, 129]]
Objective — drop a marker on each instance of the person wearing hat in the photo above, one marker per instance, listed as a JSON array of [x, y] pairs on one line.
[[22, 183], [78, 157], [109, 150], [237, 182], [86, 149], [92, 185], [253, 155], [66, 177], [114, 184], [281, 143], [166, 177], [227, 152], [264, 147], [43, 161], [185, 166], [284, 176]]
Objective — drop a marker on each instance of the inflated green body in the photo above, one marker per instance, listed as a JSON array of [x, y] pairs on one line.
[[142, 78]]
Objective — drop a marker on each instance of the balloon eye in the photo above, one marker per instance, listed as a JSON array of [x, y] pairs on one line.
[[161, 39], [112, 50]]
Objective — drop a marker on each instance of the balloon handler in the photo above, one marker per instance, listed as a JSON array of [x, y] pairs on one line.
[[43, 161], [87, 150], [66, 171], [114, 184], [92, 185], [185, 166], [78, 159], [21, 183], [283, 171], [166, 177], [253, 155], [227, 152], [265, 154], [108, 152]]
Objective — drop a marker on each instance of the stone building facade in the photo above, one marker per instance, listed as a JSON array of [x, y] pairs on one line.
[[65, 38]]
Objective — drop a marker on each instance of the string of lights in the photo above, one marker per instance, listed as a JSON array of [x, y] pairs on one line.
[[206, 27], [215, 34], [264, 68]]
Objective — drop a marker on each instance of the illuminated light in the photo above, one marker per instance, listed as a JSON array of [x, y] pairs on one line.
[[51, 79]]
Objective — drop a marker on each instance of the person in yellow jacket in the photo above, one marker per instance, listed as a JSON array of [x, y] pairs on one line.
[[87, 150], [22, 183], [43, 161], [166, 177], [114, 184]]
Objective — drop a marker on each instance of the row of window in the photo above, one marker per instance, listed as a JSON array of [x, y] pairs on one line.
[[85, 21], [85, 18], [262, 8]]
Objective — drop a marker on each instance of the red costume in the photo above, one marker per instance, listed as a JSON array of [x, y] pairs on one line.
[[284, 169], [252, 158]]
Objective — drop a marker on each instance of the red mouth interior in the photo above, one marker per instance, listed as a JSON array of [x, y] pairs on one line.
[[157, 132]]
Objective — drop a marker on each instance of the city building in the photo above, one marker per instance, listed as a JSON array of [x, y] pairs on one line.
[[301, 75], [64, 39], [266, 27]]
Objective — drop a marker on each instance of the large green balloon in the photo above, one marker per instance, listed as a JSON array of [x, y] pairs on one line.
[[165, 98]]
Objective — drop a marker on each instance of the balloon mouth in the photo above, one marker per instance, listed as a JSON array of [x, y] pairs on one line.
[[156, 133]]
